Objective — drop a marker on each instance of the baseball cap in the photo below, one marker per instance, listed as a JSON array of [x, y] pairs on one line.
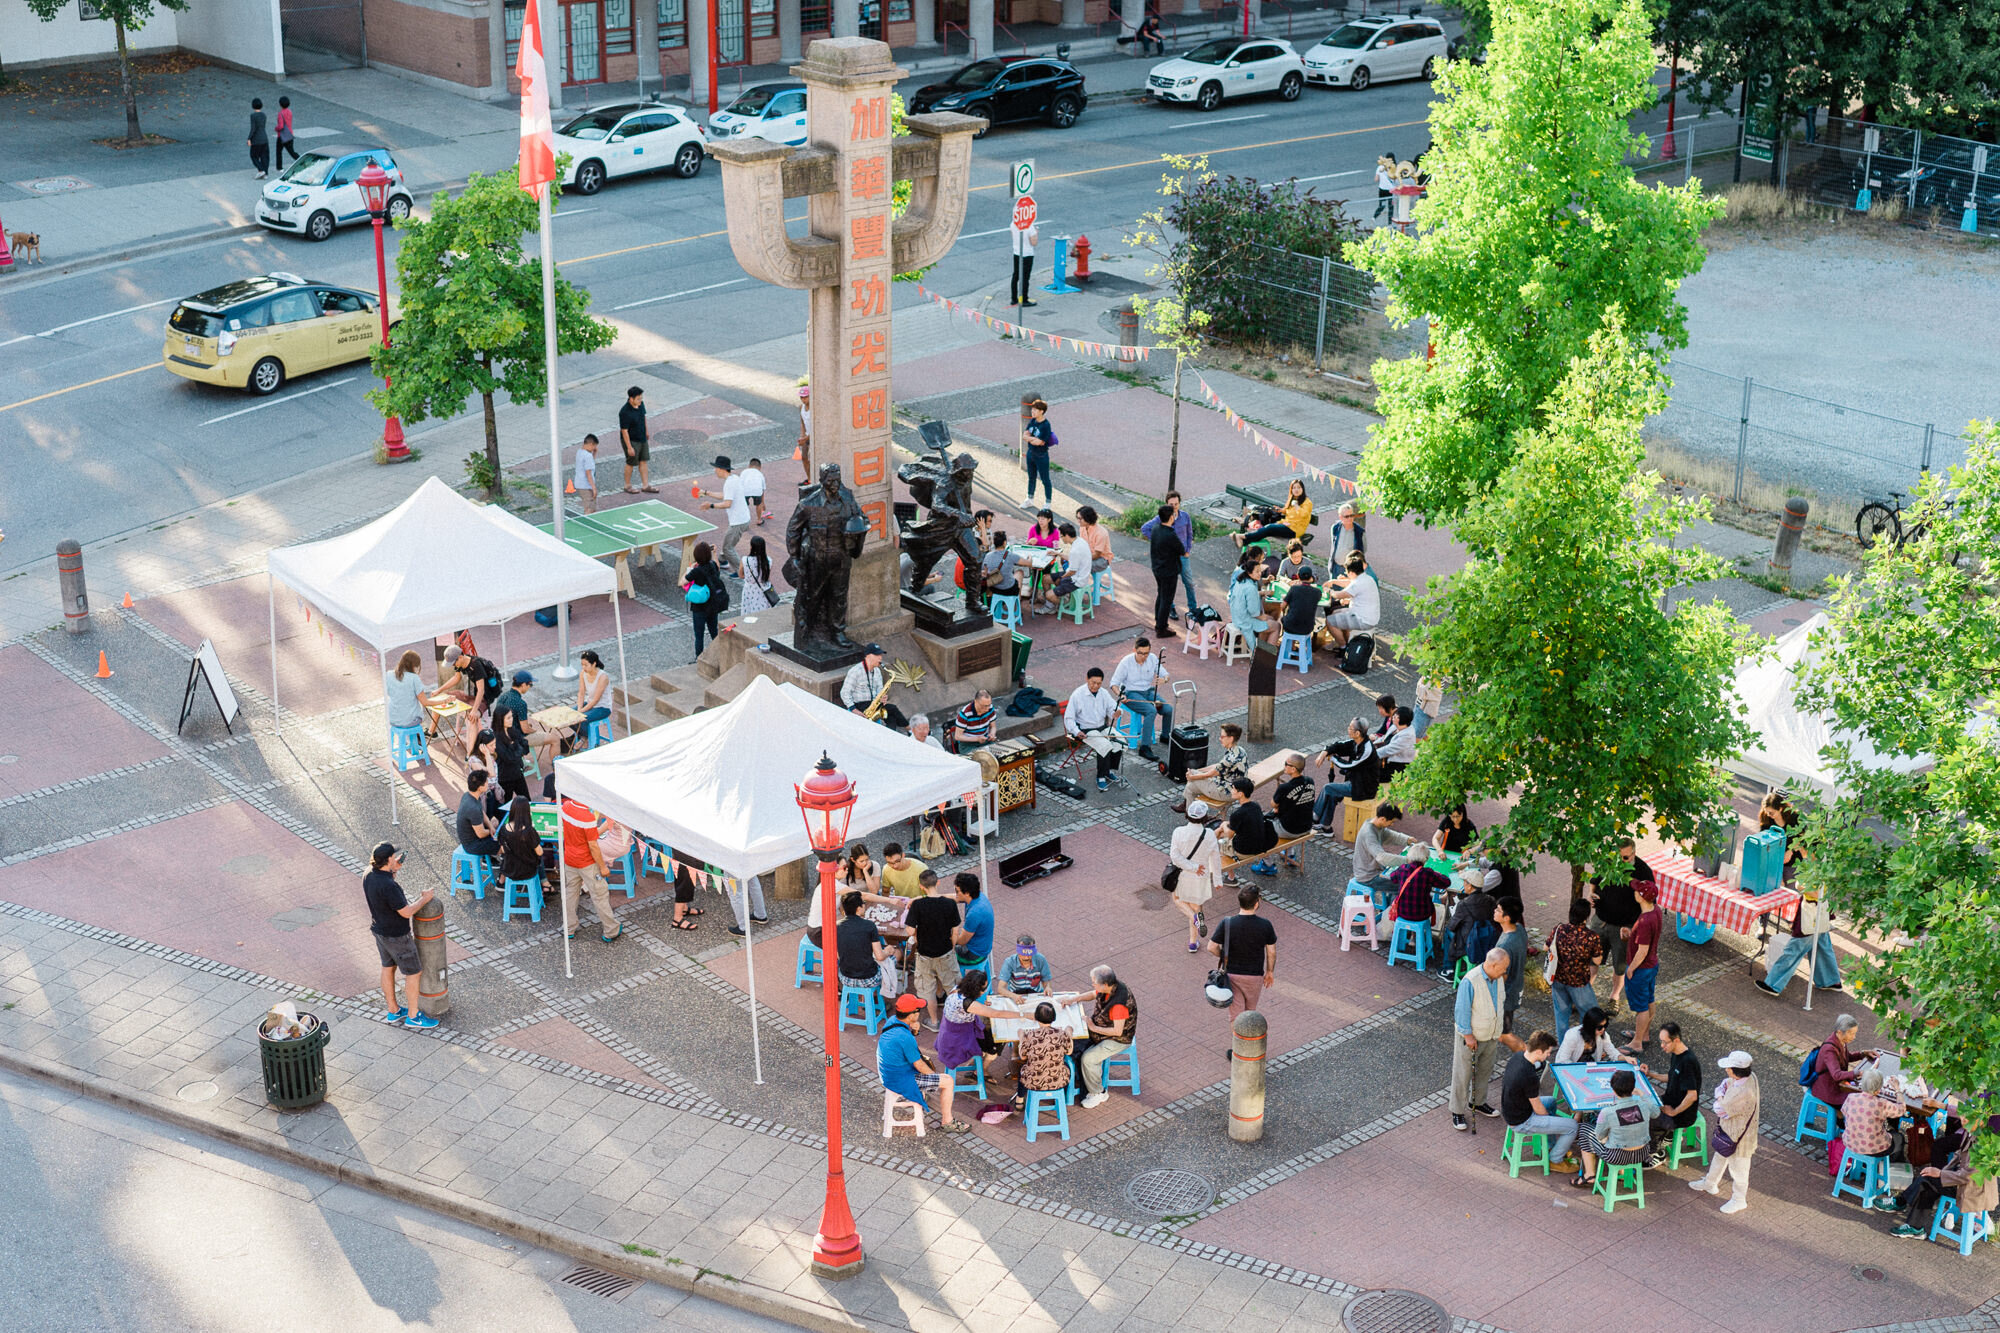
[[524, 677], [1735, 1060], [908, 1004], [872, 650], [384, 853], [1197, 810]]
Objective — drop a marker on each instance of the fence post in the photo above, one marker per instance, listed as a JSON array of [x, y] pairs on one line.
[[1916, 157], [1742, 440], [1319, 338], [1687, 167], [1930, 431]]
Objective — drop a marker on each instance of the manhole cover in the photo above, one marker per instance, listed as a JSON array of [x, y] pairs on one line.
[[1170, 1193], [54, 184], [198, 1092], [598, 1282], [1394, 1312], [1867, 1274]]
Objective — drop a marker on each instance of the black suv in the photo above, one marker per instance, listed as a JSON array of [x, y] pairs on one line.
[[1008, 89]]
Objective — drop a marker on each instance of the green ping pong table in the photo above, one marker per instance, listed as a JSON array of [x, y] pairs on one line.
[[645, 527]]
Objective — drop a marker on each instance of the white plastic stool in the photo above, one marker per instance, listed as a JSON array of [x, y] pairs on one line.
[[1362, 910], [898, 1112], [1203, 637], [1236, 645]]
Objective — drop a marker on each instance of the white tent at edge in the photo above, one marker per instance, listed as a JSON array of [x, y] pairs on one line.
[[1789, 739], [717, 786], [435, 563]]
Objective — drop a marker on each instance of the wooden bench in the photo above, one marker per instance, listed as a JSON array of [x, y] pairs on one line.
[[1250, 497], [1230, 863]]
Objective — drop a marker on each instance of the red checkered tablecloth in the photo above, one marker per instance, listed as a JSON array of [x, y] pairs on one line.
[[1711, 900]]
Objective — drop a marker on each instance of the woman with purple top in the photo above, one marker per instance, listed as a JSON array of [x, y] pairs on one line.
[[962, 1032]]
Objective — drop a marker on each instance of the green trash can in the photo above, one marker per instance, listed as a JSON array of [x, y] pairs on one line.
[[295, 1067], [1022, 643]]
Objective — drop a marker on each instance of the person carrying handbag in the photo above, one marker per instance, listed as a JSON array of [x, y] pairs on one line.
[[1194, 864], [1732, 1140], [707, 596]]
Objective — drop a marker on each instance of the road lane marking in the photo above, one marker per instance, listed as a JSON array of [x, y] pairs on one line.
[[571, 212], [79, 323], [1209, 152], [654, 245], [273, 402], [1262, 115], [975, 235], [652, 300], [102, 379], [1307, 180]]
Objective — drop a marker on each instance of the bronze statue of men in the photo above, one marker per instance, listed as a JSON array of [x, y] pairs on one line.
[[943, 485], [824, 536]]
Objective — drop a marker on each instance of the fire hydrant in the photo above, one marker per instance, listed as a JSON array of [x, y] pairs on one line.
[[1082, 252]]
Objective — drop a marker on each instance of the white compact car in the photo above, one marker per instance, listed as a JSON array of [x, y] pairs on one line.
[[1371, 50], [627, 139], [774, 111], [1228, 67], [318, 192]]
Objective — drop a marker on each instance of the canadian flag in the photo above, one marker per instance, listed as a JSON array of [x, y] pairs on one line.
[[538, 151]]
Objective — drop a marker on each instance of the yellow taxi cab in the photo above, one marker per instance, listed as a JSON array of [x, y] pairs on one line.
[[259, 332]]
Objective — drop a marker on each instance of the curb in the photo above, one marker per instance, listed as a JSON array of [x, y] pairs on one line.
[[588, 1249]]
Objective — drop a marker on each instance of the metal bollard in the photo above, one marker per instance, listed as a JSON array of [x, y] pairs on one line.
[[1246, 1077], [75, 599], [433, 982], [1790, 528]]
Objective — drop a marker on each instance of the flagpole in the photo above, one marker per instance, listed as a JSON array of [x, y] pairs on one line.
[[563, 669]]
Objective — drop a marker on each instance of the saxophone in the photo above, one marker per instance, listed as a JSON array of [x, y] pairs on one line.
[[899, 673]]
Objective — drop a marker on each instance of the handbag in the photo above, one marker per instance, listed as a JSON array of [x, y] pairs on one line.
[[1814, 917], [697, 593], [1218, 976], [1719, 1143], [1551, 963], [1170, 878]]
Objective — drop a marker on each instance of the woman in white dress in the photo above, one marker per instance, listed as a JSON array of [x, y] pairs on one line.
[[1195, 852], [758, 595]]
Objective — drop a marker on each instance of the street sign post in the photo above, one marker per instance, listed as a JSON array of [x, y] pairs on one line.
[[1022, 178]]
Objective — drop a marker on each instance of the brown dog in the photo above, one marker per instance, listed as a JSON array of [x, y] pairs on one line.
[[26, 245]]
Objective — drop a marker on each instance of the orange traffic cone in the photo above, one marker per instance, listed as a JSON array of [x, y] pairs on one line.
[[569, 487], [103, 666], [127, 603]]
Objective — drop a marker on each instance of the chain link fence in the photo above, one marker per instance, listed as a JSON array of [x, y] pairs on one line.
[[1935, 179], [1313, 306], [1703, 146]]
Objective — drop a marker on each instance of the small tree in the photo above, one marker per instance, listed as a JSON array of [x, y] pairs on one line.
[[126, 16], [1534, 229], [1910, 660], [1577, 693], [1176, 319], [471, 308]]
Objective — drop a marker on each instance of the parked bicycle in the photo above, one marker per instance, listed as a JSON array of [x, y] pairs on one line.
[[1884, 519]]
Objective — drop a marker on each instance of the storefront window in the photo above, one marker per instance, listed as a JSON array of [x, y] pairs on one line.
[[763, 18], [673, 24], [517, 14], [899, 11], [618, 27], [815, 17]]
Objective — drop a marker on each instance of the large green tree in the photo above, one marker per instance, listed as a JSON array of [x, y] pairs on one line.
[[125, 16], [1598, 711], [1911, 661], [1533, 229], [471, 310]]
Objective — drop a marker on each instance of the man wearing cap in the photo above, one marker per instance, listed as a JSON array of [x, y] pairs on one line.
[[1026, 971], [475, 680], [1738, 1105], [389, 920], [864, 681], [1472, 929], [632, 439], [903, 1068], [735, 497]]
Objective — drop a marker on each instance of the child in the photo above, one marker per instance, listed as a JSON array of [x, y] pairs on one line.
[[585, 478], [753, 489]]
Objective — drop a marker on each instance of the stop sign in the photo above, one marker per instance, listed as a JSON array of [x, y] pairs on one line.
[[1024, 212]]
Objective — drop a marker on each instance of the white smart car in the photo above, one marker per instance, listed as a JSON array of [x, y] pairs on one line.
[[1371, 50], [318, 192], [774, 111], [627, 139], [1228, 67]]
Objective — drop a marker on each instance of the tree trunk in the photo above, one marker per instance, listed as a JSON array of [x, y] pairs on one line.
[[497, 491], [132, 135], [1575, 882], [1174, 441]]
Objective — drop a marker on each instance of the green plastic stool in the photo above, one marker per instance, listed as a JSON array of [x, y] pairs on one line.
[[1611, 1183], [1459, 969], [1516, 1147], [1690, 1141], [1077, 605]]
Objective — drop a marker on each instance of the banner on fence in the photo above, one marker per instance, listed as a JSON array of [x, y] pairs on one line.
[[1081, 346]]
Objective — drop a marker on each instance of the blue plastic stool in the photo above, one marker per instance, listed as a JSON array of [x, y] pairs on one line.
[[1295, 650], [628, 865], [523, 898], [1874, 1178], [869, 995], [1075, 1089], [1128, 725], [1693, 931], [1955, 1226], [407, 746], [1815, 1121], [811, 965], [599, 733], [1103, 587], [1036, 1103], [469, 871], [971, 1074], [1419, 954], [1128, 1080], [1005, 610]]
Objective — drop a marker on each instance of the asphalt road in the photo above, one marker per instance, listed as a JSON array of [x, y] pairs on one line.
[[112, 1221], [97, 439]]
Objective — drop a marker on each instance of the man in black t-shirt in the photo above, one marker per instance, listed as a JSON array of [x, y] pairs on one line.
[[932, 918], [1293, 799], [863, 955], [389, 914], [632, 438], [1618, 907], [1248, 947], [1302, 604], [476, 834], [1250, 831], [1680, 1091], [1521, 1102]]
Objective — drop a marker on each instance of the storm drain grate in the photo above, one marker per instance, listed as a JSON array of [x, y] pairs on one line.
[[1394, 1312], [598, 1282], [1170, 1193]]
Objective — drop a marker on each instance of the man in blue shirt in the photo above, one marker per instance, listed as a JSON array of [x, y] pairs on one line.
[[974, 936], [903, 1068]]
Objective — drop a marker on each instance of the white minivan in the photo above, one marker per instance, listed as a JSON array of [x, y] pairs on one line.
[[1372, 50]]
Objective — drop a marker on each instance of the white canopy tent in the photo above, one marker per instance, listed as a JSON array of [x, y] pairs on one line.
[[716, 786], [435, 563]]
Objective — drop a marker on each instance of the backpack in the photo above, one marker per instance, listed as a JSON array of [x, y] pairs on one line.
[[697, 593], [1355, 658], [1809, 1068]]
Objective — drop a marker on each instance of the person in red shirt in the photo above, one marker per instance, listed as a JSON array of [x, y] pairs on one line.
[[584, 868], [1642, 962]]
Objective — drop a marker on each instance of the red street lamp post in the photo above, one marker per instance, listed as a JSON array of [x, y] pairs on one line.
[[826, 800], [374, 183]]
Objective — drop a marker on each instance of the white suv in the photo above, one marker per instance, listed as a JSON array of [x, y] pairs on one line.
[[1228, 67], [1370, 50]]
